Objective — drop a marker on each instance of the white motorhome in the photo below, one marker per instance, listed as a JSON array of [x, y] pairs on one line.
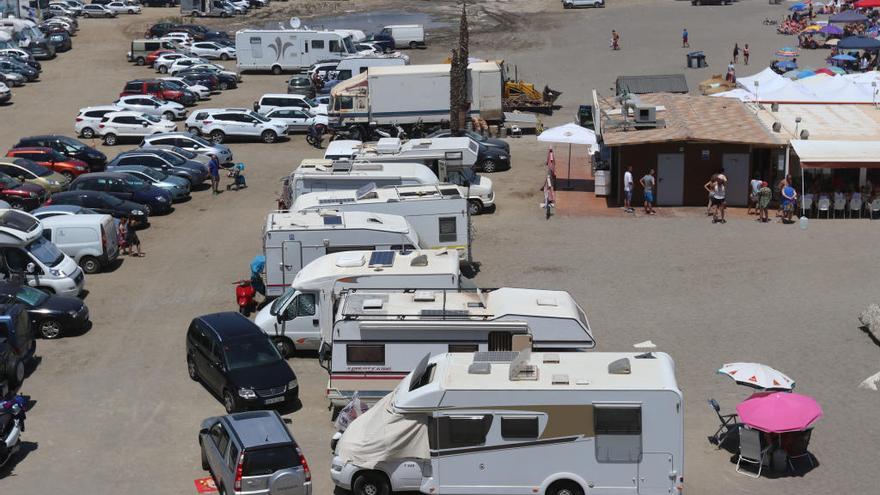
[[438, 213], [540, 423], [288, 49], [205, 8], [378, 336], [452, 151], [294, 320], [292, 240], [354, 65]]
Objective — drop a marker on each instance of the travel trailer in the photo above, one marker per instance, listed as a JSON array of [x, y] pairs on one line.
[[295, 319], [452, 151], [379, 335], [288, 49], [438, 213], [292, 240], [524, 424]]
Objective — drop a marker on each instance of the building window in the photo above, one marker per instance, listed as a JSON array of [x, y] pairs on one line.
[[519, 427], [447, 229], [365, 354], [618, 433]]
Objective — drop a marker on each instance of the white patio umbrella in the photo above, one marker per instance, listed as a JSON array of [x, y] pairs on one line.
[[757, 375], [570, 134]]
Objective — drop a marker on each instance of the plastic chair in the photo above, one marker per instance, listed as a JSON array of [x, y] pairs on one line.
[[839, 205], [798, 449], [728, 424], [874, 207], [855, 205], [824, 204], [807, 203], [750, 450]]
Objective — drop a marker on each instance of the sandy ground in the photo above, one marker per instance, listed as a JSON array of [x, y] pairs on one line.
[[116, 413]]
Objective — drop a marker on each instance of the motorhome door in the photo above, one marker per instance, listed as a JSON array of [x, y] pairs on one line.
[[617, 447], [291, 259]]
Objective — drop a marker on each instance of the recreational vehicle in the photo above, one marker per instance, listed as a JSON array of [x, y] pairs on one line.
[[288, 49], [438, 213], [205, 8], [354, 65], [295, 319], [379, 335], [453, 151], [524, 424], [293, 240]]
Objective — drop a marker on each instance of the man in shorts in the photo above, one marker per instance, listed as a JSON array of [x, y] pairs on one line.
[[628, 190], [648, 183]]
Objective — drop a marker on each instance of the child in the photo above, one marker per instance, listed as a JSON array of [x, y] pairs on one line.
[[237, 174], [133, 242], [122, 236]]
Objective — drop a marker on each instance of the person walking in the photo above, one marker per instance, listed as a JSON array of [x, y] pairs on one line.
[[710, 187], [746, 54], [214, 170], [736, 53], [684, 39], [647, 183], [754, 188], [615, 40], [764, 195], [122, 236], [133, 242], [719, 198], [628, 190], [789, 202]]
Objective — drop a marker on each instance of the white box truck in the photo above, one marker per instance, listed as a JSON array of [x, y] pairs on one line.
[[278, 50], [413, 93]]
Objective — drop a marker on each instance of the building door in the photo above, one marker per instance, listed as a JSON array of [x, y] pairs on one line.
[[736, 168], [291, 259], [670, 179]]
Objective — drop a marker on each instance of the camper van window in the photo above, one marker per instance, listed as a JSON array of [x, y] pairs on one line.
[[463, 348], [335, 46], [449, 432], [365, 354], [618, 433], [317, 44], [343, 75], [277, 304], [447, 229], [517, 427], [305, 305]]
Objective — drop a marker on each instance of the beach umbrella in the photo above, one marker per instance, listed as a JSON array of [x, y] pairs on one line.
[[787, 51], [787, 65], [826, 71], [848, 16], [867, 4], [831, 29], [844, 57], [805, 73], [570, 134], [757, 375], [779, 412], [858, 43], [798, 7], [837, 70]]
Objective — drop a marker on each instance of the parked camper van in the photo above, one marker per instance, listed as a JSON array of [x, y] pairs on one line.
[[89, 239], [206, 8], [288, 49], [28, 256], [379, 335], [541, 423], [141, 48], [293, 240], [405, 35], [352, 66], [438, 213], [295, 319]]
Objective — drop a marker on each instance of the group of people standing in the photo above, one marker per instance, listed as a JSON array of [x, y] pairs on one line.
[[648, 183]]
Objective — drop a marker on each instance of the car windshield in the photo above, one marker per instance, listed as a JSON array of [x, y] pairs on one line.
[[279, 303], [46, 252], [312, 102], [172, 158], [31, 296], [72, 144], [248, 353], [258, 117], [34, 168]]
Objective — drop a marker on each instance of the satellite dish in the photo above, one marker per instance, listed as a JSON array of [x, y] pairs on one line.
[[295, 23], [805, 134]]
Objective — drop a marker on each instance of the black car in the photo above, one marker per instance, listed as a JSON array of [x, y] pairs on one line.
[[493, 155], [164, 161], [237, 362], [226, 81], [159, 29], [58, 37], [207, 80], [15, 331], [201, 33], [102, 203], [30, 61], [126, 187], [51, 316], [11, 65], [67, 146]]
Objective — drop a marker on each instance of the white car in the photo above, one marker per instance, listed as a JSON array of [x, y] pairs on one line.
[[178, 37], [237, 7], [568, 4], [218, 123], [126, 124], [367, 48], [95, 10], [297, 119], [211, 50], [5, 93], [64, 22], [151, 105], [74, 5], [88, 118], [200, 91], [164, 61], [124, 8], [185, 63], [60, 9], [271, 101]]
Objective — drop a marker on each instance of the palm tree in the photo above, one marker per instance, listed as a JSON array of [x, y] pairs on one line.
[[458, 97]]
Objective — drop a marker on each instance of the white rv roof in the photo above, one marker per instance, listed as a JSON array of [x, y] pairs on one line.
[[409, 69], [357, 264], [320, 220], [366, 169], [388, 194]]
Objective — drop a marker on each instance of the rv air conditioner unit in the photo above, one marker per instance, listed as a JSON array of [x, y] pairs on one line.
[[645, 114]]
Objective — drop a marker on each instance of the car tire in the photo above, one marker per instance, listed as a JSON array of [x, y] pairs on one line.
[[131, 11], [276, 69], [205, 465], [229, 402], [488, 166], [110, 139], [224, 57], [285, 347], [370, 483], [50, 328], [140, 61], [269, 136], [14, 371], [413, 45], [565, 487], [163, 69], [194, 131], [90, 265], [191, 369], [87, 133], [169, 116], [474, 207], [69, 176], [224, 86], [217, 136]]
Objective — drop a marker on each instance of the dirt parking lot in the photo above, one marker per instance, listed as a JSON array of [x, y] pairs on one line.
[[116, 413]]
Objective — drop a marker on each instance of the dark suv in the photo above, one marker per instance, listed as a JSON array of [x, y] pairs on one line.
[[236, 361], [125, 187], [15, 330], [160, 89], [68, 146]]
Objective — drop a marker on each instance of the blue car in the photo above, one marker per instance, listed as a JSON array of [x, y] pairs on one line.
[[127, 188]]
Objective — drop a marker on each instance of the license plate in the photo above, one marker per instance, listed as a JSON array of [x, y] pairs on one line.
[[274, 400]]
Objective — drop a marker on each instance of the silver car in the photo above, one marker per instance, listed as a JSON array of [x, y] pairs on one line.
[[192, 143], [177, 186], [253, 453]]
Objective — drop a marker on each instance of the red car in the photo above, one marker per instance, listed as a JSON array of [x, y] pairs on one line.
[[53, 160], [21, 194], [152, 56], [159, 89]]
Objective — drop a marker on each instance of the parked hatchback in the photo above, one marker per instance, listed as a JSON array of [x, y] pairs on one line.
[[191, 143], [160, 89], [125, 124], [151, 105], [88, 118], [301, 85], [163, 161], [28, 171], [51, 159], [50, 316], [125, 187], [102, 202], [254, 453], [21, 194], [237, 362], [220, 123], [95, 10], [179, 187]]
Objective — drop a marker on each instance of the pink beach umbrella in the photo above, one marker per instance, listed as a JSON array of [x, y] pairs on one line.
[[779, 412]]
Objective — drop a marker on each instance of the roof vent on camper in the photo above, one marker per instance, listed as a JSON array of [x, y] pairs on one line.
[[420, 260], [350, 260], [551, 358], [520, 369], [424, 296], [480, 368], [559, 379], [620, 367], [372, 304], [342, 166], [388, 145], [547, 301], [365, 190]]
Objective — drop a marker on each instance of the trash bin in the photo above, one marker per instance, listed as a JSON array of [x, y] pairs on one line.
[[695, 60], [701, 61], [602, 182]]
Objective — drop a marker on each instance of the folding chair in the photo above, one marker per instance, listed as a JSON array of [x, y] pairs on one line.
[[728, 424], [839, 205], [824, 204], [750, 450], [798, 449], [807, 203], [855, 205], [874, 207]]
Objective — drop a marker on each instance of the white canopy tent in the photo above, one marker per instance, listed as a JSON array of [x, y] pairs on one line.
[[820, 88], [570, 134]]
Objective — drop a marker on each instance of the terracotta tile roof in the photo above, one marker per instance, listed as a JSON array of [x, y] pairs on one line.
[[690, 118]]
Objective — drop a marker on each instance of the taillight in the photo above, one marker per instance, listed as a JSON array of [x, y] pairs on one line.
[[100, 126], [302, 460], [79, 119], [206, 122], [238, 470]]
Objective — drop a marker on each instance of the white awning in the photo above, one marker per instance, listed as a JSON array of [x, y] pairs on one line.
[[837, 154]]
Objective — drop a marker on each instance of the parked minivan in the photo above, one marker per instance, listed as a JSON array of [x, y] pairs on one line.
[[89, 239], [141, 48], [27, 256]]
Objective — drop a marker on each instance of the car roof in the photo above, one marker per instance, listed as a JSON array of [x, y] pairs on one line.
[[63, 208], [258, 428], [230, 325], [99, 107], [42, 149], [282, 95], [124, 113], [118, 175], [74, 220]]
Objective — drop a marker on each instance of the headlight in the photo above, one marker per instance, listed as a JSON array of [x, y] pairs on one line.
[[292, 385], [72, 313], [53, 182], [137, 212], [80, 168], [55, 273], [247, 393], [161, 199]]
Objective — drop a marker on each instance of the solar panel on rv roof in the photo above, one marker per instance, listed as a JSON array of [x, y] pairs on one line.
[[382, 258]]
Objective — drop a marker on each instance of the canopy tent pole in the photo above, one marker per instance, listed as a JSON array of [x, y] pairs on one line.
[[803, 206], [568, 180]]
